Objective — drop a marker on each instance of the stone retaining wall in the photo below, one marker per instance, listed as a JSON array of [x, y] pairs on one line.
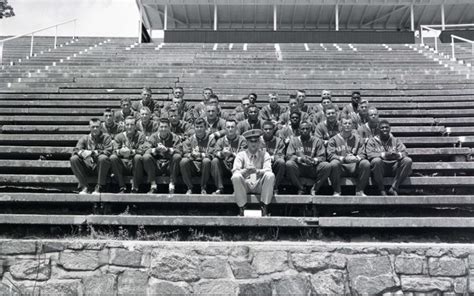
[[280, 268]]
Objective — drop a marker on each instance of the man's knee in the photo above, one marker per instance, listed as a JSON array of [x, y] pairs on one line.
[[75, 159], [364, 164], [114, 158], [279, 163], [406, 161], [206, 161], [176, 157], [291, 165], [137, 157], [269, 176], [147, 158], [215, 162], [335, 164], [376, 162], [184, 162], [236, 176], [103, 159], [324, 166]]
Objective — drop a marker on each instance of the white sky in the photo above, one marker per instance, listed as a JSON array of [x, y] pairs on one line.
[[111, 18]]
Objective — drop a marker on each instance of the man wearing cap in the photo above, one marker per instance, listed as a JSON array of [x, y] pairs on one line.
[[307, 157], [252, 173], [224, 154], [147, 101]]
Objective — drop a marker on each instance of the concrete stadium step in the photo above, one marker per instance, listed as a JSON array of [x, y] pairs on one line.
[[396, 222]]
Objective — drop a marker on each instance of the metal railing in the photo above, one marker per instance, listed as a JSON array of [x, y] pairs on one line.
[[434, 34], [2, 42], [453, 51]]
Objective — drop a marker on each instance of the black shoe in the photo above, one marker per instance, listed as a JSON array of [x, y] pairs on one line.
[[264, 208], [241, 211], [135, 190], [392, 191], [122, 190], [98, 189]]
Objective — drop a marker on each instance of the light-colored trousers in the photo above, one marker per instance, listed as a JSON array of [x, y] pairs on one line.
[[263, 185]]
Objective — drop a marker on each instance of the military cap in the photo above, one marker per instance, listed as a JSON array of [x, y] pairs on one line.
[[254, 133]]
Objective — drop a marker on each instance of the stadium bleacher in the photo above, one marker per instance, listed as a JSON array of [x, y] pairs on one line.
[[47, 100]]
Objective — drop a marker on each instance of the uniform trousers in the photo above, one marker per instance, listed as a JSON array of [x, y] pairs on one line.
[[154, 167], [360, 170], [190, 168], [122, 167], [263, 185], [86, 168], [319, 173], [400, 169]]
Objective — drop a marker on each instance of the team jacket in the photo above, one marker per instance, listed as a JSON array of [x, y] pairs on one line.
[[201, 145], [245, 125], [148, 129], [235, 146], [275, 147], [287, 132], [182, 129], [171, 141], [312, 147], [325, 132], [184, 111], [366, 132], [285, 117], [338, 146], [119, 116], [102, 144], [217, 126], [151, 104], [112, 129], [136, 144], [269, 113], [375, 147]]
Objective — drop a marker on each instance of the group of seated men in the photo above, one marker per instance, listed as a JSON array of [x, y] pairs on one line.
[[145, 140]]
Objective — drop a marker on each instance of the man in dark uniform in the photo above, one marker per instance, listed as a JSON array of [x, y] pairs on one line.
[[240, 112], [128, 156], [197, 154], [353, 106], [275, 146], [252, 121], [346, 154], [179, 127], [252, 173], [199, 109], [125, 111], [302, 106], [184, 109], [307, 157], [329, 127], [145, 124], [388, 157], [225, 150], [91, 155], [370, 128], [147, 101], [272, 111], [215, 124], [292, 107], [162, 156], [109, 126], [292, 128]]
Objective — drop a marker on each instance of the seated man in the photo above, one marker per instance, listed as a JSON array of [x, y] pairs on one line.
[[307, 158], [252, 121], [292, 129], [240, 112], [196, 160], [320, 114], [361, 116], [162, 156], [292, 107], [252, 173], [147, 101], [109, 126], [275, 146], [329, 127], [272, 111], [252, 97], [347, 158], [184, 109], [179, 127], [301, 98], [370, 128], [215, 124], [199, 109], [224, 154], [128, 156], [91, 155], [388, 156], [145, 124], [353, 106], [125, 111]]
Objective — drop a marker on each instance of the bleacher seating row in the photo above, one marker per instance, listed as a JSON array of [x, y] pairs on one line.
[[46, 102]]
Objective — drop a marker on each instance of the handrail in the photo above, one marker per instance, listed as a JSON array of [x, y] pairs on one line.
[[32, 33], [432, 30], [459, 38]]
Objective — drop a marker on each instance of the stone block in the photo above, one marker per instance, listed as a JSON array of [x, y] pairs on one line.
[[242, 269], [293, 285], [101, 285], [214, 268], [269, 262], [80, 260], [39, 270], [460, 285], [122, 257], [216, 287], [17, 247], [471, 261], [371, 275], [315, 262], [160, 287], [255, 287], [329, 282], [409, 264], [471, 283], [447, 266], [62, 287], [426, 284], [175, 267], [132, 282], [51, 247]]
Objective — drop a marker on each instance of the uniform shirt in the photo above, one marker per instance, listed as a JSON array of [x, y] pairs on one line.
[[202, 145], [149, 128], [287, 132], [338, 146], [366, 131], [246, 125], [312, 147], [119, 116], [348, 109], [102, 144], [275, 147], [112, 129], [135, 143], [217, 126], [170, 141], [233, 145], [271, 114], [376, 146], [326, 131], [244, 159], [151, 104], [184, 111], [182, 129]]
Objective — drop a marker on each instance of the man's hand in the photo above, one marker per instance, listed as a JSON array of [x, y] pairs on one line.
[[85, 153], [161, 148], [251, 170], [351, 159], [196, 154], [226, 152], [125, 152]]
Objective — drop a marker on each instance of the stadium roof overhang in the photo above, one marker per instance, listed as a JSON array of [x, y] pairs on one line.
[[302, 14]]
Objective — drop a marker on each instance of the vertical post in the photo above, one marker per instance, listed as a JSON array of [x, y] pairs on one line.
[[74, 30], [56, 37], [443, 25], [412, 18], [275, 17], [452, 48], [215, 17], [140, 25], [165, 24], [421, 35], [31, 46], [337, 17], [1, 53], [436, 44]]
